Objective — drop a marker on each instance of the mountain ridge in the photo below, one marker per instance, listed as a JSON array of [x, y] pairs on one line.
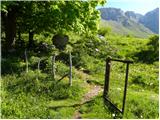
[[151, 20], [128, 21]]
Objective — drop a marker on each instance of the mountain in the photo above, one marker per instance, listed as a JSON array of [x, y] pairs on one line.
[[124, 22], [151, 20], [114, 14], [133, 16]]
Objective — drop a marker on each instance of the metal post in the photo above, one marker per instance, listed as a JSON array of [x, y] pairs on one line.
[[70, 72], [125, 87], [107, 76]]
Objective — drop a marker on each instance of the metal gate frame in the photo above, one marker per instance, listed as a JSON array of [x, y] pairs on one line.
[[107, 80]]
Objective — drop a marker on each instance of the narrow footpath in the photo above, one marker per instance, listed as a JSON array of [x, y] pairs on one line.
[[95, 89]]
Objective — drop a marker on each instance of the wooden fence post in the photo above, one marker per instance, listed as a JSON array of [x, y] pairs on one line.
[[70, 71], [39, 61], [125, 87], [53, 66], [107, 76], [26, 59]]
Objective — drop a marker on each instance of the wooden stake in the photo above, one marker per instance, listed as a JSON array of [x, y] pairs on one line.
[[53, 66], [26, 58], [125, 87], [39, 61], [70, 71], [107, 77]]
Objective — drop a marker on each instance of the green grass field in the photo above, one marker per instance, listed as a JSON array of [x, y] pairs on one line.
[[37, 95]]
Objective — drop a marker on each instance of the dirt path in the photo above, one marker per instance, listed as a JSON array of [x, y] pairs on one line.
[[95, 89]]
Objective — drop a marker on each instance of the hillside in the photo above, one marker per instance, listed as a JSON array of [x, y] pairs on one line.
[[133, 29], [123, 23]]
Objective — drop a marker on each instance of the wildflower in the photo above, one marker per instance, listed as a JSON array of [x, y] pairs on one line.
[[97, 50]]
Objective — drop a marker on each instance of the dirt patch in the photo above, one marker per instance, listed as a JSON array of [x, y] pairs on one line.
[[95, 89], [93, 92]]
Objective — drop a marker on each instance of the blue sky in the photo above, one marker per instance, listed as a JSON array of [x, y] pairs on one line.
[[139, 6]]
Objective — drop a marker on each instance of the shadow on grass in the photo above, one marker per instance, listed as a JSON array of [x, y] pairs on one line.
[[11, 61], [94, 82], [108, 107], [147, 56], [115, 114], [11, 64], [74, 105]]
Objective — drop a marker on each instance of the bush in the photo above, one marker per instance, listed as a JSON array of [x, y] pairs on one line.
[[150, 53], [104, 30]]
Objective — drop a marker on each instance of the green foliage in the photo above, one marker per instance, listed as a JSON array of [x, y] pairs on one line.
[[154, 44], [89, 53], [15, 106], [10, 66], [141, 107], [96, 109], [125, 47], [63, 113], [104, 31], [56, 16], [20, 100], [139, 76], [150, 53], [27, 95], [37, 95]]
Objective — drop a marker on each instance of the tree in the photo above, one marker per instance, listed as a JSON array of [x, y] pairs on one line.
[[8, 12], [52, 16], [150, 53], [154, 44]]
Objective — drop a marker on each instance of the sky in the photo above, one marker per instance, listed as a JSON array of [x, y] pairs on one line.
[[138, 6]]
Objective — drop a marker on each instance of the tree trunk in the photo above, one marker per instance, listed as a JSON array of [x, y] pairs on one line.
[[19, 35], [10, 28], [31, 42]]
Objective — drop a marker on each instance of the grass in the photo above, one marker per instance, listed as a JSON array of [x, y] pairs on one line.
[[136, 107], [142, 98], [96, 109], [37, 95], [27, 97], [142, 108], [34, 94]]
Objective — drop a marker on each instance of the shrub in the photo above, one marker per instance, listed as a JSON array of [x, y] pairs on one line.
[[150, 53], [104, 30]]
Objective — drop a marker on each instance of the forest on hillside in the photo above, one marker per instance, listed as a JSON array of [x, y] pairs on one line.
[[53, 59]]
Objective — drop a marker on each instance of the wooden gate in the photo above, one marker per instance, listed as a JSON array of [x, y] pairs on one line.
[[107, 81]]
